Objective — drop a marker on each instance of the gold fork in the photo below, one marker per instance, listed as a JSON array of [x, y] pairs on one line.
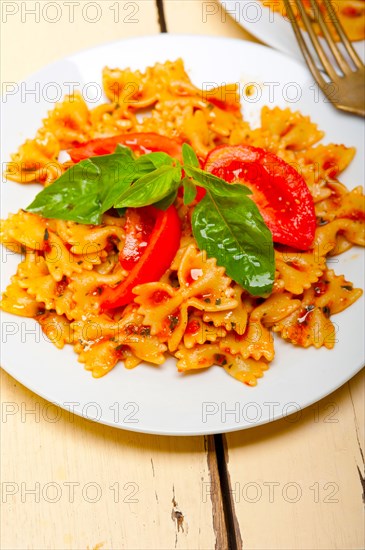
[[345, 90]]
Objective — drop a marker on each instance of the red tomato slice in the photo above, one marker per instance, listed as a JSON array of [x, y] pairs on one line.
[[279, 191], [138, 229], [156, 258], [225, 97], [140, 142]]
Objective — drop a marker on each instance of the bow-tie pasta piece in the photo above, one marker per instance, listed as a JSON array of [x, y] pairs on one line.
[[333, 293], [245, 370], [24, 228], [202, 285], [98, 357], [206, 355], [200, 357], [16, 300], [199, 332], [157, 302], [283, 129], [350, 205], [257, 342], [36, 160], [90, 240], [234, 319], [56, 328], [35, 278], [329, 160], [101, 343], [298, 269], [308, 325], [69, 121], [276, 307], [329, 238], [87, 290], [129, 89], [60, 261]]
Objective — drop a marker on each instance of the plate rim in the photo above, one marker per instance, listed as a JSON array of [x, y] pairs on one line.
[[158, 431], [186, 433], [272, 43]]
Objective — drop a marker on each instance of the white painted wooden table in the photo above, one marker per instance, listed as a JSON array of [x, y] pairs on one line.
[[68, 483]]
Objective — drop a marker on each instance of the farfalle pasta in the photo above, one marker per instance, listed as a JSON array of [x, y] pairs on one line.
[[195, 311]]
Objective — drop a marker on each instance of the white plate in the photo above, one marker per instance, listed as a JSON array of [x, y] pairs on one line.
[[159, 399], [270, 26]]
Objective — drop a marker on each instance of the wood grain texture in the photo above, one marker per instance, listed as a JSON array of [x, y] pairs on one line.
[[94, 484], [202, 17], [319, 455], [357, 393], [50, 33], [295, 483], [68, 483], [216, 492]]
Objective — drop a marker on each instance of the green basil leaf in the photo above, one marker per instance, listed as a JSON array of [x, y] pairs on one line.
[[116, 173], [233, 232], [124, 150], [220, 187], [86, 190], [226, 223], [151, 188], [189, 155], [167, 201], [91, 187], [189, 191], [160, 159]]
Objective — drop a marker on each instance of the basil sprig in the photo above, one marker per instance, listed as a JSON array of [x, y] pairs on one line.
[[93, 186], [226, 223], [230, 228], [151, 188]]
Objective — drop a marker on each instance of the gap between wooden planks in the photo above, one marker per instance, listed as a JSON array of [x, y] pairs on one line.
[[151, 487], [185, 493], [177, 514], [298, 483], [69, 483], [318, 453]]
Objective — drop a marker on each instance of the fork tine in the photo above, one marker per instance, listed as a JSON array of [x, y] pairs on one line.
[[342, 63], [345, 41], [315, 41], [303, 46]]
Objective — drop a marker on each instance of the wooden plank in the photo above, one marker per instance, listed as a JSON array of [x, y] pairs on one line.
[[357, 392], [202, 17], [318, 455], [36, 33], [295, 483], [68, 483], [94, 485]]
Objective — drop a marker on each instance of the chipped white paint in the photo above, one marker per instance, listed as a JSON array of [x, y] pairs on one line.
[[302, 475], [71, 483]]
